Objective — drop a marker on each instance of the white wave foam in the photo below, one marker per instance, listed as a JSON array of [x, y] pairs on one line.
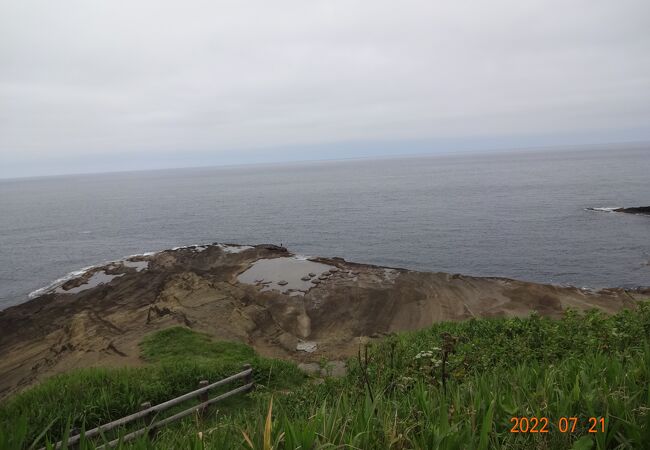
[[233, 248], [97, 278], [55, 286], [127, 261], [604, 209], [59, 282], [139, 266], [194, 247]]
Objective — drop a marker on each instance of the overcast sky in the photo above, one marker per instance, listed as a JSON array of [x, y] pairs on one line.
[[93, 85]]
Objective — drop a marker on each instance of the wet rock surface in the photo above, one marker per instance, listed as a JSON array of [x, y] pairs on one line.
[[223, 291]]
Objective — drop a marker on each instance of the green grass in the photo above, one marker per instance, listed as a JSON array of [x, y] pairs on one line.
[[182, 344], [179, 358], [395, 396]]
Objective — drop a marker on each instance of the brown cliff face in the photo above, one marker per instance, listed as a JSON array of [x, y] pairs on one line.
[[100, 317]]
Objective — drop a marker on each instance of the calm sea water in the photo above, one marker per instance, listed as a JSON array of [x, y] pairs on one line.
[[519, 215]]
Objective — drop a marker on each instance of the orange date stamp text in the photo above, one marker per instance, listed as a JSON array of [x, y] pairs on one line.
[[563, 424]]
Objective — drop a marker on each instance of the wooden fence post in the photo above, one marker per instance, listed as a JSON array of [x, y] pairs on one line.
[[249, 377], [148, 419], [203, 398]]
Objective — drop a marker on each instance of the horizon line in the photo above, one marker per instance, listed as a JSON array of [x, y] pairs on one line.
[[461, 152]]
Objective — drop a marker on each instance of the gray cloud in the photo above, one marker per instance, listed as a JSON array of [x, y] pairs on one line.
[[197, 82]]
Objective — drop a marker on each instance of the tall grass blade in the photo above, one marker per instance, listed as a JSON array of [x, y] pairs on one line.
[[486, 427]]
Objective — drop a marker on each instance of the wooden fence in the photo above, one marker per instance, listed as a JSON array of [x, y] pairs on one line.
[[149, 413]]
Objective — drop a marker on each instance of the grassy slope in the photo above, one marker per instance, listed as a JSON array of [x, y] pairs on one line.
[[581, 366], [179, 359]]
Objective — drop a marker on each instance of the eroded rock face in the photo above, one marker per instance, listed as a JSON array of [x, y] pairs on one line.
[[330, 303]]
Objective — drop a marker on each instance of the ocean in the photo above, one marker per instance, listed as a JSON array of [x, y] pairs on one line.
[[518, 214]]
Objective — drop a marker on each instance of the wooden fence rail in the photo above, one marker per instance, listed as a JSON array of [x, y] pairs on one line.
[[148, 412]]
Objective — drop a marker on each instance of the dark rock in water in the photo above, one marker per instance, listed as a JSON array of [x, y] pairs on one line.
[[272, 247], [311, 274], [306, 278], [282, 282], [635, 210]]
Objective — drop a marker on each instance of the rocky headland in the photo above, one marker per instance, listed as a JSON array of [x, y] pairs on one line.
[[282, 304], [643, 210]]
